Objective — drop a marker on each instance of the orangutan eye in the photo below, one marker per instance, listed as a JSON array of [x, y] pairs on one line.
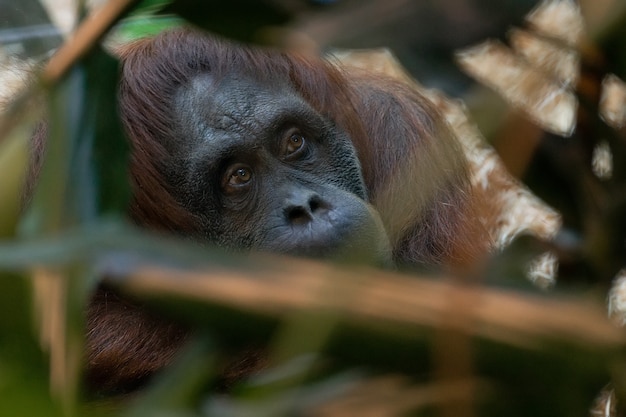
[[237, 176], [240, 176], [295, 143]]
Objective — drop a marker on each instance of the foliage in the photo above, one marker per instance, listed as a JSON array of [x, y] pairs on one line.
[[328, 357]]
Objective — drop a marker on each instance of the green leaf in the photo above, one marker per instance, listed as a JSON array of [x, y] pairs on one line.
[[23, 370], [13, 160], [112, 244], [84, 175], [145, 25], [103, 131]]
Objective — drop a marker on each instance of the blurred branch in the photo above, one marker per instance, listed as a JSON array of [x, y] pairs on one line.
[[370, 296], [386, 321]]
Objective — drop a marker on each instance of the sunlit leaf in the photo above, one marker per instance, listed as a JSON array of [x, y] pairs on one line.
[[551, 105], [602, 161], [560, 20], [538, 73], [559, 61], [613, 101]]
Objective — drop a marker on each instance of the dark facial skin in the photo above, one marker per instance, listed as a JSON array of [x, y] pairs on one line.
[[264, 171]]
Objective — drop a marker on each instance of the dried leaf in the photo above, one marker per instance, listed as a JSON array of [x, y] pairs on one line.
[[617, 299], [558, 19], [514, 209], [536, 75], [562, 63], [552, 106], [606, 404], [543, 270], [602, 161], [613, 101]]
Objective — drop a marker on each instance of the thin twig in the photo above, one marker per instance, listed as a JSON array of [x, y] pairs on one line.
[[93, 28]]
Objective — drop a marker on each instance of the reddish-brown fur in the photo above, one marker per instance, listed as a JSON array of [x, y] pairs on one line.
[[126, 344], [414, 171], [401, 140]]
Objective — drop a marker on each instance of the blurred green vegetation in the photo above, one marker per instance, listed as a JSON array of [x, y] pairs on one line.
[[75, 231]]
